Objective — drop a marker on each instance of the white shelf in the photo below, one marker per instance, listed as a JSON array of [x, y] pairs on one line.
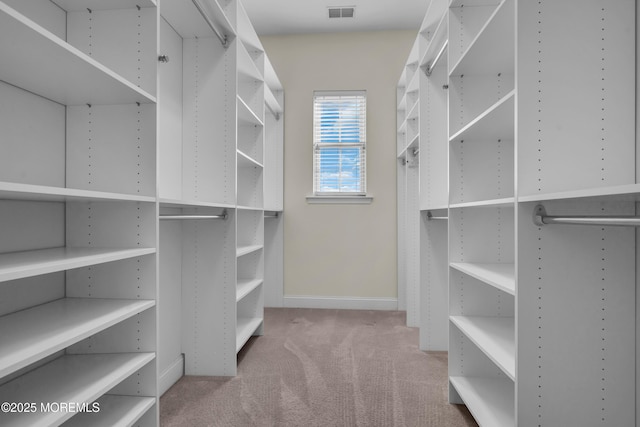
[[245, 250], [17, 191], [70, 378], [507, 202], [175, 203], [486, 54], [246, 66], [246, 114], [76, 5], [623, 193], [245, 329], [495, 336], [31, 334], [245, 161], [435, 208], [185, 18], [500, 276], [248, 208], [270, 76], [497, 122], [245, 287], [115, 411], [490, 400], [402, 100], [414, 112], [272, 102], [246, 32], [438, 39], [413, 144], [18, 265], [46, 65]]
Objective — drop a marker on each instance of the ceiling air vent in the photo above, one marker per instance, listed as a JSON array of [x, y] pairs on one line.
[[341, 12]]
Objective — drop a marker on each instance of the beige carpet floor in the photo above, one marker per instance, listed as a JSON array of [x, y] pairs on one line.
[[323, 368]]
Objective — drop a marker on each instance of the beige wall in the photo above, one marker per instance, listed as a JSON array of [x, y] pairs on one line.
[[340, 250]]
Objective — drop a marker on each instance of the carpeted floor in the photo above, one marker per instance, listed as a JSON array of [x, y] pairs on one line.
[[323, 368]]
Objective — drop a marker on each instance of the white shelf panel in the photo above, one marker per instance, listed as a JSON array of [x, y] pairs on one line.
[[246, 32], [414, 111], [245, 161], [435, 208], [270, 76], [18, 265], [413, 144], [245, 329], [17, 191], [76, 5], [46, 65], [438, 39], [271, 102], [174, 203], [245, 287], [32, 334], [486, 53], [495, 336], [401, 101], [115, 411], [185, 18], [623, 193], [490, 400], [246, 65], [70, 378], [414, 84], [497, 122], [507, 202], [248, 208], [501, 276], [246, 114], [403, 126], [245, 250]]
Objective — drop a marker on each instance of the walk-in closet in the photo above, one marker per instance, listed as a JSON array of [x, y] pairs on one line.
[[284, 213]]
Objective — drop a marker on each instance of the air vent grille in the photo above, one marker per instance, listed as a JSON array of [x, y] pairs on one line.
[[341, 12]]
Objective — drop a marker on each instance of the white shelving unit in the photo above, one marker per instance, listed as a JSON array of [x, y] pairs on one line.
[[539, 112], [433, 199], [482, 282], [213, 167], [273, 188], [78, 254], [408, 122]]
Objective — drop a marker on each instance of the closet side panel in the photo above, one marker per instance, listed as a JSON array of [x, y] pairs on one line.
[[576, 318], [575, 95], [170, 114]]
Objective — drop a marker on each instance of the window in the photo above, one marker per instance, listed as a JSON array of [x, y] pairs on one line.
[[339, 142]]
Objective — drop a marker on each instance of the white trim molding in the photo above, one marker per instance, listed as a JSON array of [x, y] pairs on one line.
[[344, 199], [344, 303]]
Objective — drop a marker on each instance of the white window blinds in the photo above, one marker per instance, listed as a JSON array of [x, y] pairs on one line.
[[339, 140]]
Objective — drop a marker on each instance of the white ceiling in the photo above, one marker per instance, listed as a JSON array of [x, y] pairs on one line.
[[312, 16]]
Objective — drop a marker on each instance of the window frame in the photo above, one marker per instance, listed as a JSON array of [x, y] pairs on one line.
[[339, 196]]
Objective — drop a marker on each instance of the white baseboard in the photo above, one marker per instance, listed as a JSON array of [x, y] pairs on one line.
[[171, 375], [344, 303]]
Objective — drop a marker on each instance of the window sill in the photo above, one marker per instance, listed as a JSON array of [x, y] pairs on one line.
[[343, 199]]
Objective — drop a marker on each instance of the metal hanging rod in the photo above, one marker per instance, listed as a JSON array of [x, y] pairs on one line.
[[541, 218], [223, 37], [430, 216], [429, 68], [275, 215], [416, 151], [223, 216]]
